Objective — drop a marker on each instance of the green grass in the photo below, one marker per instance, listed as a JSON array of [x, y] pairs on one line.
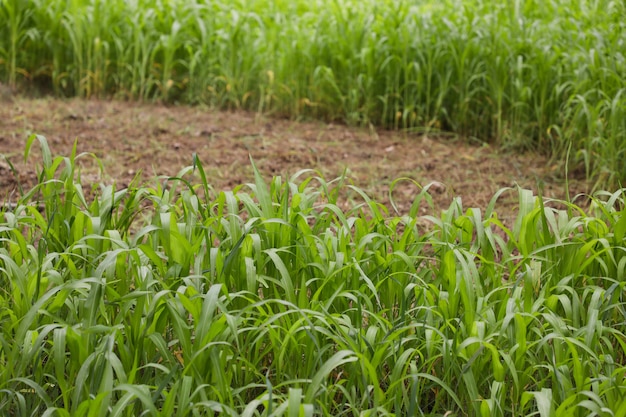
[[545, 75], [174, 299]]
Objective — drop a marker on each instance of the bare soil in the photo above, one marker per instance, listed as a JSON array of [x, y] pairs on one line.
[[155, 140]]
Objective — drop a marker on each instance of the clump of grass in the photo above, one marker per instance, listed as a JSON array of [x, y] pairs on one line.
[[271, 300], [543, 75]]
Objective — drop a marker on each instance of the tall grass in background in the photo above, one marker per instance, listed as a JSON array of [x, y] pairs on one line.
[[174, 299], [542, 75]]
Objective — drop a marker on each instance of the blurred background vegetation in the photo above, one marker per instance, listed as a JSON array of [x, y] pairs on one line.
[[542, 75]]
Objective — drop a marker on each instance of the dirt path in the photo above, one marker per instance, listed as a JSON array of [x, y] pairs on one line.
[[130, 138]]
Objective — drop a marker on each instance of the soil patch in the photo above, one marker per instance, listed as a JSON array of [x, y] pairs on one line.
[[155, 140]]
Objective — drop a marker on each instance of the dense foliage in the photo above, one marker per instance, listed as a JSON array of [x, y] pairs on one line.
[[172, 299], [548, 75]]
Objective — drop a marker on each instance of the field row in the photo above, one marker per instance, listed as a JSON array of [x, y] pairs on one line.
[[173, 299], [547, 75]]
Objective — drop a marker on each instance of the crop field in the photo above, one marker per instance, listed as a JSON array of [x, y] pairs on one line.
[[528, 74], [270, 299], [260, 278]]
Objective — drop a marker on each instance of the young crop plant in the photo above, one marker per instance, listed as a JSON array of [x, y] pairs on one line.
[[175, 299]]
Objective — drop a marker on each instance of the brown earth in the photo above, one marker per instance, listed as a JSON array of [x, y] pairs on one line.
[[156, 140]]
